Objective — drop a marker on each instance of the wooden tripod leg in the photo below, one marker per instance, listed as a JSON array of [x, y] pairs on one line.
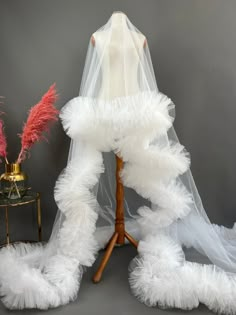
[[107, 255], [131, 239]]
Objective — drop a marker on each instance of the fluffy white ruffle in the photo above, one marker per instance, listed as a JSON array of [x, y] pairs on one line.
[[100, 123], [135, 128], [161, 276], [25, 285], [34, 276]]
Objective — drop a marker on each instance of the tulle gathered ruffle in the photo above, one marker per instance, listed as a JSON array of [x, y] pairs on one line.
[[136, 128]]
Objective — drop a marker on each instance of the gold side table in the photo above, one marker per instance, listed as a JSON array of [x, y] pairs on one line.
[[29, 197]]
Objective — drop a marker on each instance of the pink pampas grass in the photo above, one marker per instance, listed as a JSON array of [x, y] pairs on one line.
[[39, 119], [3, 142]]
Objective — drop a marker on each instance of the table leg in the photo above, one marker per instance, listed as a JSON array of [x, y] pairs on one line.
[[39, 220], [7, 226]]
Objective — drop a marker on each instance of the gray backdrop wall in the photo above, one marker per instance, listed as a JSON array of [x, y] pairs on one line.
[[193, 48]]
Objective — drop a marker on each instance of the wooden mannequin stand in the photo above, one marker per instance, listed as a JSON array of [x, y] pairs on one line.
[[119, 234]]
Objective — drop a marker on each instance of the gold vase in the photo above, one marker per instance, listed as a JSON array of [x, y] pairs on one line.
[[13, 181]]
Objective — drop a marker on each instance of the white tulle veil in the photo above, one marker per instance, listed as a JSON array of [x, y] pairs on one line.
[[120, 110], [92, 86], [195, 229]]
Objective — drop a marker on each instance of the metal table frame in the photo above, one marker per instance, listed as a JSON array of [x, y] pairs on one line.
[[30, 197]]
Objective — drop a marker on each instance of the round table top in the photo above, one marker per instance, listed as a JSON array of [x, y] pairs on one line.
[[29, 197]]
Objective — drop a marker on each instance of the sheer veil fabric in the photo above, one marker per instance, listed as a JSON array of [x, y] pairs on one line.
[[120, 110]]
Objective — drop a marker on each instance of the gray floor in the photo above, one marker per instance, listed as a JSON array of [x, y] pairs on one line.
[[112, 294]]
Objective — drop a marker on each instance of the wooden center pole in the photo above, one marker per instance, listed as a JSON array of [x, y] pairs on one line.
[[120, 220], [119, 234]]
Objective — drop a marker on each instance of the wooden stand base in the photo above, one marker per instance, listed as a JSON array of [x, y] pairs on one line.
[[120, 234], [110, 246]]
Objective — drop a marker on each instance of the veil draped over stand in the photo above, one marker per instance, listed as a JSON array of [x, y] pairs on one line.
[[120, 110]]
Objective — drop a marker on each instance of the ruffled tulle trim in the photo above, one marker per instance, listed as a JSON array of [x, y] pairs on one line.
[[160, 276], [135, 128]]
